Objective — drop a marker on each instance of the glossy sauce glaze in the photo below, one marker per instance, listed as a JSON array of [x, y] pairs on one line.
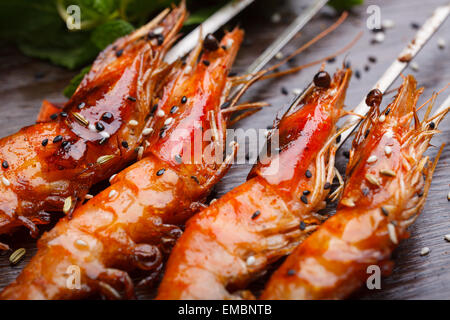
[[383, 195], [134, 222], [237, 237], [60, 158]]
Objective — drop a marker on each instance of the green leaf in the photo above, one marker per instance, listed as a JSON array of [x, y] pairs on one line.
[[103, 7], [75, 82], [106, 33], [71, 57], [342, 5]]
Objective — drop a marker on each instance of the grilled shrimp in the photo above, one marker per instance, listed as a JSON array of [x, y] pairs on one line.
[[49, 166], [131, 224], [388, 181], [234, 240]]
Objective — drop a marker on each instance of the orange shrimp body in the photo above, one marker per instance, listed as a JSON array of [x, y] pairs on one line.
[[383, 195], [235, 239], [50, 161], [130, 224]]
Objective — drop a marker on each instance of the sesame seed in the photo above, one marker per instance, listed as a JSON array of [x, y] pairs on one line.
[[168, 121], [54, 116], [133, 123], [291, 272], [441, 43], [372, 179], [81, 105], [346, 154], [284, 91], [183, 99], [17, 255], [44, 142], [131, 98], [158, 30], [306, 192], [99, 126], [327, 185], [424, 251], [256, 214], [112, 193], [6, 182], [392, 233], [119, 53], [112, 177], [160, 113], [88, 196], [251, 260], [279, 55], [379, 37], [304, 199], [338, 139], [382, 118], [384, 211], [387, 24], [81, 243], [105, 134], [125, 144], [372, 159], [92, 128], [107, 117], [432, 125], [388, 172], [80, 118], [308, 174], [57, 139], [65, 144], [67, 205], [105, 158], [387, 150], [188, 69], [387, 111], [302, 225], [178, 159], [5, 164], [160, 172], [147, 131], [140, 152], [414, 66], [225, 105], [230, 42], [275, 18], [296, 91], [102, 141], [447, 237], [173, 109], [212, 201], [348, 202], [206, 62]]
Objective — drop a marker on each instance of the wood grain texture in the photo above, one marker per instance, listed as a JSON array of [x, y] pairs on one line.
[[26, 82]]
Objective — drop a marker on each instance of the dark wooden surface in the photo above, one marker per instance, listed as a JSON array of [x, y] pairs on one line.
[[25, 82]]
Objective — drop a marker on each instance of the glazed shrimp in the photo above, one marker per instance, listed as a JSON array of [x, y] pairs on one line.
[[388, 181], [131, 224], [236, 238], [50, 166]]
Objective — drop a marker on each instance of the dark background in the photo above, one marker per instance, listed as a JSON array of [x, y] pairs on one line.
[[25, 82]]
